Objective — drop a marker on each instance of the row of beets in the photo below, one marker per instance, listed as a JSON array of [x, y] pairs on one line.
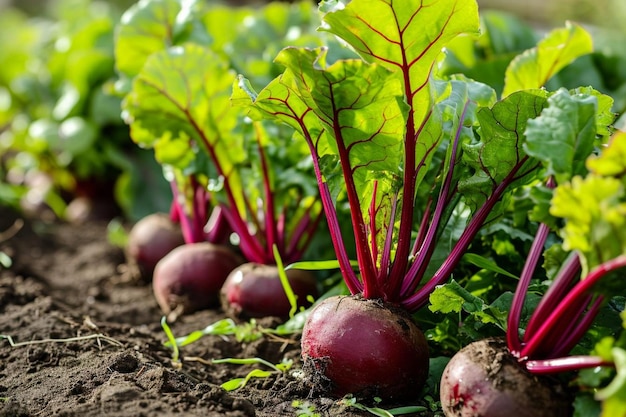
[[421, 160], [196, 276]]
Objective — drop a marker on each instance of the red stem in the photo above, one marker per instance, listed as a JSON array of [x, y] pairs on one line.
[[515, 313], [563, 330], [572, 298], [187, 224], [372, 224], [574, 336], [363, 252], [418, 268], [561, 284], [420, 298], [421, 232], [385, 261], [570, 363], [302, 241], [250, 247], [350, 278]]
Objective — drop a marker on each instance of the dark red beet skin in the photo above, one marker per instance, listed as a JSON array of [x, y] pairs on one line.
[[485, 380], [150, 239], [255, 290], [364, 348], [190, 277]]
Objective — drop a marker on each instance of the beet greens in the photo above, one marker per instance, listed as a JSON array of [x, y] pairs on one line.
[[422, 162], [228, 175], [593, 208], [593, 235]]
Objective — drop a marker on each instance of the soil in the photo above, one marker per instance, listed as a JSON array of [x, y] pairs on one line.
[[86, 340]]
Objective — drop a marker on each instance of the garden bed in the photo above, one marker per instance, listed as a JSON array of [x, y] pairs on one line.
[[67, 285]]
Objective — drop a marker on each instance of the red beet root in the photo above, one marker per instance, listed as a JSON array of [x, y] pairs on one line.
[[189, 278], [255, 290], [150, 239], [365, 348], [485, 380]]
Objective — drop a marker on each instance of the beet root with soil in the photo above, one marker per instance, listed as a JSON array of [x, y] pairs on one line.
[[364, 347], [485, 380]]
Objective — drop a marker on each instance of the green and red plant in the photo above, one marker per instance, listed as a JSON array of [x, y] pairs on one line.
[[423, 162], [178, 103], [496, 378]]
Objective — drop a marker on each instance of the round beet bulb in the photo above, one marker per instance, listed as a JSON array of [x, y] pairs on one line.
[[365, 348], [255, 290], [189, 278], [150, 239], [485, 380]]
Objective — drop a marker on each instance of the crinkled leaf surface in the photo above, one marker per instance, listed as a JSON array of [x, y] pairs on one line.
[[594, 209], [404, 36], [534, 67], [493, 158], [350, 110], [563, 135]]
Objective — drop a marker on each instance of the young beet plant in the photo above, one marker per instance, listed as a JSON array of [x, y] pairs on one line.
[[422, 162], [178, 58], [498, 378], [258, 188]]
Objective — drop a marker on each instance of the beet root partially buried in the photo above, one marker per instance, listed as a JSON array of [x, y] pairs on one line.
[[190, 277], [485, 380], [255, 290], [149, 240]]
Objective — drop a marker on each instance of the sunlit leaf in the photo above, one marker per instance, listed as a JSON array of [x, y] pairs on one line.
[[536, 66], [563, 135]]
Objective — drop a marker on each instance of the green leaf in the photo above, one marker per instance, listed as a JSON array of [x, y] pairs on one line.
[[5, 260], [488, 264], [220, 328], [247, 361], [338, 108], [152, 26], [613, 396], [318, 265], [500, 148], [452, 297], [393, 34], [563, 135], [236, 383], [291, 296], [612, 160], [180, 106], [171, 339], [594, 209], [536, 66], [145, 28]]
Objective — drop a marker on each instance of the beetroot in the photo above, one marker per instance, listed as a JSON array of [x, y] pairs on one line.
[[485, 380], [365, 347], [189, 278], [255, 290], [150, 239]]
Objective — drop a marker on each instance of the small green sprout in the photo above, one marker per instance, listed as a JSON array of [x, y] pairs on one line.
[[237, 383], [171, 342], [304, 409], [351, 401]]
